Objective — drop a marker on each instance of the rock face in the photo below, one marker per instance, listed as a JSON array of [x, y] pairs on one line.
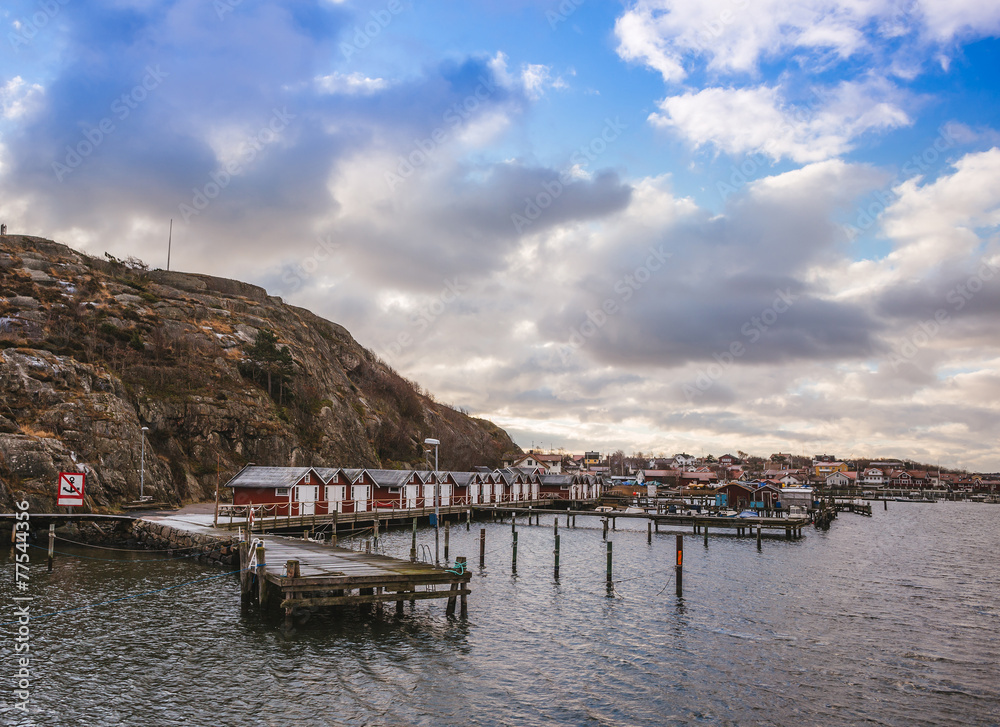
[[91, 351]]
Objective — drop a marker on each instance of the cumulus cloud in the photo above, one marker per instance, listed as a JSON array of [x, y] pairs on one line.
[[757, 120], [732, 45]]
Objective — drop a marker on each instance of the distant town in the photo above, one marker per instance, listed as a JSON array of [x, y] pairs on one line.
[[782, 470]]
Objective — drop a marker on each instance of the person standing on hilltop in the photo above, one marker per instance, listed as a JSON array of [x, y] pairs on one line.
[[3, 230]]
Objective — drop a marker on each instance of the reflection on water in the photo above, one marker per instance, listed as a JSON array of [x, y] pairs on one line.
[[884, 620]]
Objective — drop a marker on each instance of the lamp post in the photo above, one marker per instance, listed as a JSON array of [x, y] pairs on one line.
[[437, 499], [142, 463]]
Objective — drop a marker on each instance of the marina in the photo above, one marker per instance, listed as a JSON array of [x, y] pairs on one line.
[[881, 619]]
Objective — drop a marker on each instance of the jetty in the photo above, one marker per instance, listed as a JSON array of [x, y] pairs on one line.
[[289, 575], [792, 525]]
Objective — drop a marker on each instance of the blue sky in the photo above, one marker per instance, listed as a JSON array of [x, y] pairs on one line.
[[648, 225]]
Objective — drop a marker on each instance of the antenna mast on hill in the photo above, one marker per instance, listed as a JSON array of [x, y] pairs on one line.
[[170, 238]]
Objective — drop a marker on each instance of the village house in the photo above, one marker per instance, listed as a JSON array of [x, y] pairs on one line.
[[841, 479]]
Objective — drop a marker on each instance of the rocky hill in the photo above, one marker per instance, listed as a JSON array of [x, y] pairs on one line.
[[221, 373]]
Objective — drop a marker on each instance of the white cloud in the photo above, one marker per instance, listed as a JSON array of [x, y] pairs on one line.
[[945, 219], [736, 35], [19, 99], [757, 120], [350, 84], [533, 79]]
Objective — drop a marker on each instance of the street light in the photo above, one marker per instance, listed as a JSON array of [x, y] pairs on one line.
[[437, 499], [142, 463]]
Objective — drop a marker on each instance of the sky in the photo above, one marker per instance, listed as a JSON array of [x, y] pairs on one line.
[[651, 226]]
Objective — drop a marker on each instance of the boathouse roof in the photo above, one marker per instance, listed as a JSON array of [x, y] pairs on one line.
[[252, 476]]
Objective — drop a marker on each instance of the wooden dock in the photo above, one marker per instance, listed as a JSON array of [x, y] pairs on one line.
[[289, 575], [700, 523]]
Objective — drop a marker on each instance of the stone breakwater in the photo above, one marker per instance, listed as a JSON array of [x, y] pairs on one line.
[[219, 549]]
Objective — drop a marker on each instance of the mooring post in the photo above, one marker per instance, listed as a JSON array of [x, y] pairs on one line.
[[468, 519], [649, 533], [513, 522], [52, 543], [447, 532], [614, 523], [463, 603], [885, 503], [706, 536], [605, 521], [555, 526], [376, 530], [610, 582], [758, 537], [567, 519], [680, 564], [557, 558], [482, 547], [513, 561], [413, 543], [333, 530], [261, 577]]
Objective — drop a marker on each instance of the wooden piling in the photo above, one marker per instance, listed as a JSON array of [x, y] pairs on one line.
[[447, 532], [333, 528], [482, 547], [261, 578], [555, 526], [605, 521], [513, 562], [649, 533], [557, 558], [52, 543], [758, 537], [679, 568], [706, 535], [609, 580], [468, 520], [413, 543], [463, 603]]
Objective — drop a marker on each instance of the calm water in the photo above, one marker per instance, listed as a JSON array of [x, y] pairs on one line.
[[885, 620]]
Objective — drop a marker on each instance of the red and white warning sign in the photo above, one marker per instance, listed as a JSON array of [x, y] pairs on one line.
[[70, 489]]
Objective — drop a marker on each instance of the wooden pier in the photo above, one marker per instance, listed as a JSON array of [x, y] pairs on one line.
[[700, 523], [289, 574]]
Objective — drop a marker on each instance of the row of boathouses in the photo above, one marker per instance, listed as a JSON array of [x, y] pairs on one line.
[[295, 491]]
